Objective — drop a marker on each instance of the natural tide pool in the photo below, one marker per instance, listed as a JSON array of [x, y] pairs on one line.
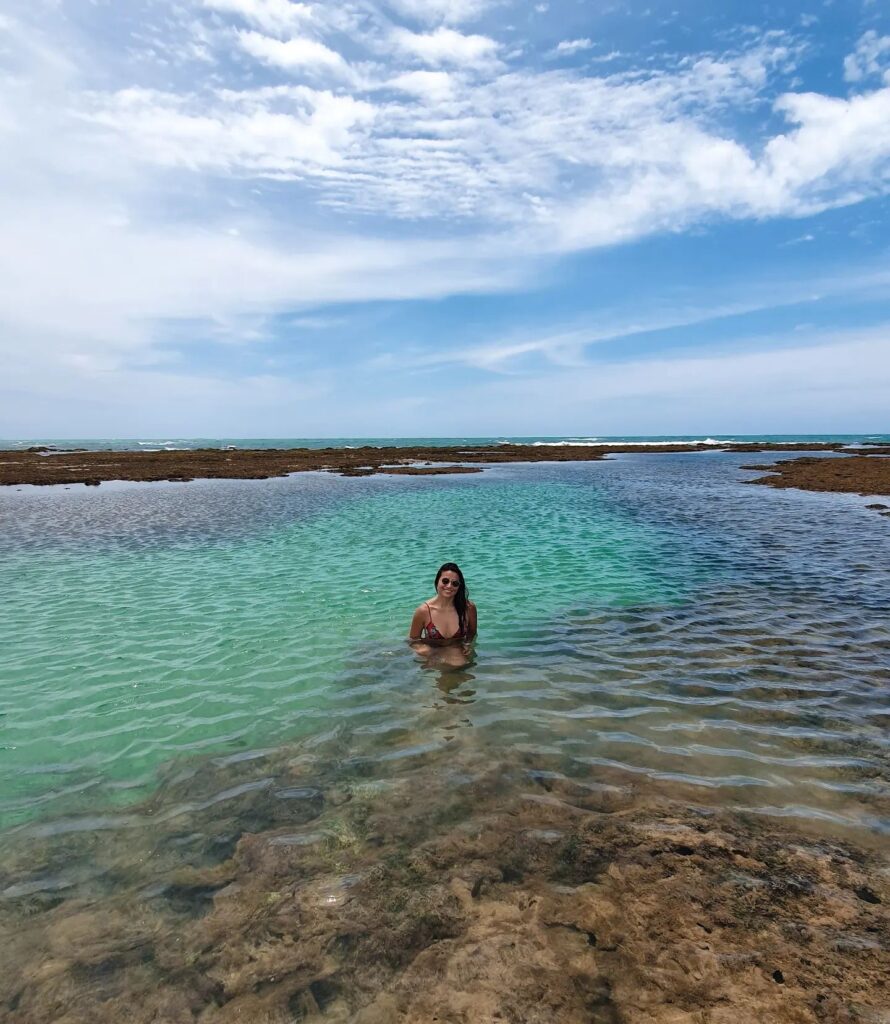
[[654, 614], [187, 665]]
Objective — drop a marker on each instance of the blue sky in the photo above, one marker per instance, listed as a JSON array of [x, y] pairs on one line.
[[418, 217]]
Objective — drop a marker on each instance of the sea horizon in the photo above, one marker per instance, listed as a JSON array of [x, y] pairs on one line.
[[160, 442]]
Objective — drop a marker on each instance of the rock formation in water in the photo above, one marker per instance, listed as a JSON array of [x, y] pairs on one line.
[[457, 890]]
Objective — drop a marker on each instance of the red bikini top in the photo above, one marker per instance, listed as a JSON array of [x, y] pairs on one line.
[[433, 634]]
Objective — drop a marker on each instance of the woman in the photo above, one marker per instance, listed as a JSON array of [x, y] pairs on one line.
[[446, 619]]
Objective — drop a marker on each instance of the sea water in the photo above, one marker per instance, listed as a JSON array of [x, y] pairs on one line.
[[168, 443], [653, 618], [230, 790]]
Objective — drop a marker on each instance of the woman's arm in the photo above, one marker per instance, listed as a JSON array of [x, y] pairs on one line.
[[417, 623], [471, 620]]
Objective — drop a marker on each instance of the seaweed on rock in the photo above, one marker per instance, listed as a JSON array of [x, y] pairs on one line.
[[456, 890]]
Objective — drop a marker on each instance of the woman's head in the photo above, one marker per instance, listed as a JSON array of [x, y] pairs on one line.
[[448, 575], [450, 579]]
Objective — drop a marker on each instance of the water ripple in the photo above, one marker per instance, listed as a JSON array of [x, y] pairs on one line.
[[651, 620]]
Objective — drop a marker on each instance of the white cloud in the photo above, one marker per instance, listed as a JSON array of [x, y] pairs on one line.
[[676, 173], [570, 46], [572, 345], [577, 160], [272, 131], [507, 165], [432, 86], [85, 305], [444, 46], [839, 145], [607, 58], [278, 17], [837, 382], [448, 12], [871, 57], [295, 54]]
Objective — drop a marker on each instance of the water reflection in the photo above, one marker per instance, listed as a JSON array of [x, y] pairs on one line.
[[456, 686]]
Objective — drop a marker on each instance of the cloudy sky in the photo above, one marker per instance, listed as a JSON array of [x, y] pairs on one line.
[[266, 218]]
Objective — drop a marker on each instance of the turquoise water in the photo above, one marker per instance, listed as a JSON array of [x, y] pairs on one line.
[[651, 616], [130, 644]]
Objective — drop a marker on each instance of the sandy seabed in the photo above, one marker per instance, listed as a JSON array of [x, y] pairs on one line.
[[302, 886]]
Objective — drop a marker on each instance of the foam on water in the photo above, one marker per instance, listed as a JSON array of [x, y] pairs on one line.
[[596, 442], [187, 444]]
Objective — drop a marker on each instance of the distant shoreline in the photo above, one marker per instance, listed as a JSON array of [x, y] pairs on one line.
[[852, 471]]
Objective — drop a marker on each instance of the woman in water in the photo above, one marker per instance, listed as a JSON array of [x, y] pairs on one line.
[[447, 619]]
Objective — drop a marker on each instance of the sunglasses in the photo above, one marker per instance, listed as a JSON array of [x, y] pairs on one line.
[[448, 583]]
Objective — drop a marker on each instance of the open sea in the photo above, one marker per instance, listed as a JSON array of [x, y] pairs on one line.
[[187, 664], [186, 444]]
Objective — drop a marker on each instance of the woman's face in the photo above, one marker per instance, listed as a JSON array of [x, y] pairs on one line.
[[448, 583]]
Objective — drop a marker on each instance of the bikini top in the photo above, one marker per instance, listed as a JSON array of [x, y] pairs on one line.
[[433, 634]]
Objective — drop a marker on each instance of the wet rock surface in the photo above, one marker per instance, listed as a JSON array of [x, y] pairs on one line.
[[456, 890], [854, 474], [40, 466]]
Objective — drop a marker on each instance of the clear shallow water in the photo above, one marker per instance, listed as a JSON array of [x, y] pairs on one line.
[[650, 619]]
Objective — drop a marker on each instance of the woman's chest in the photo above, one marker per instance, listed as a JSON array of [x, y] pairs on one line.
[[444, 621]]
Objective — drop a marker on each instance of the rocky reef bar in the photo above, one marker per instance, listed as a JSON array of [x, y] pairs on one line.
[[859, 470], [853, 474]]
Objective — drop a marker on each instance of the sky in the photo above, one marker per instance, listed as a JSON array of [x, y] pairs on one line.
[[266, 218]]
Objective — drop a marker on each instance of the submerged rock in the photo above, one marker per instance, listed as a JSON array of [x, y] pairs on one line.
[[464, 890]]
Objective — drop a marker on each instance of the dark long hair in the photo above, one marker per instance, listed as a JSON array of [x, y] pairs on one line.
[[462, 595]]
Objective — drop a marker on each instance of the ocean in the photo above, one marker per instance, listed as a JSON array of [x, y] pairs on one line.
[[187, 444], [194, 671]]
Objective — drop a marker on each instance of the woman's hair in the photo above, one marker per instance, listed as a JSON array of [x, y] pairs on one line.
[[460, 598]]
